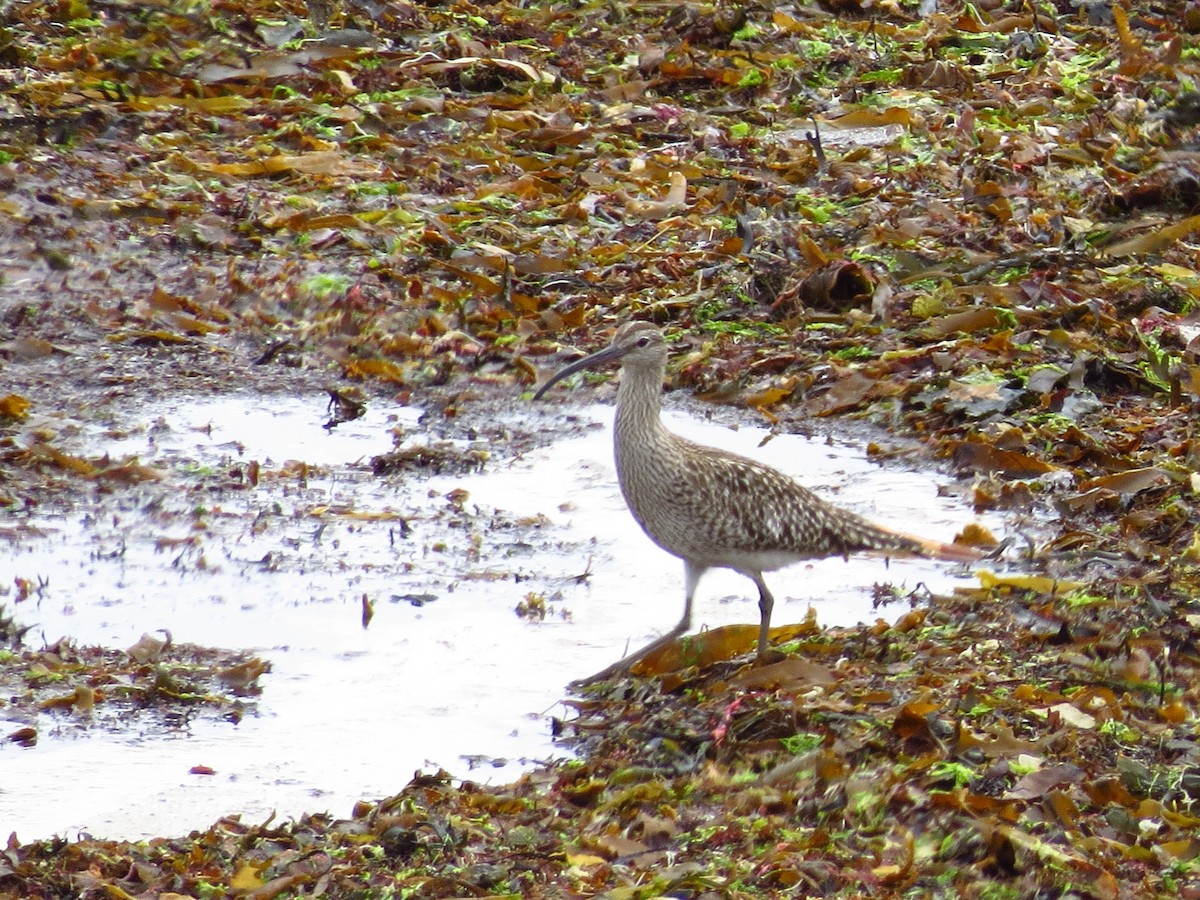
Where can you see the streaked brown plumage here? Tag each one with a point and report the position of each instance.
(715, 509)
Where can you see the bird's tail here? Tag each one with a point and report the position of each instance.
(928, 547)
(852, 533)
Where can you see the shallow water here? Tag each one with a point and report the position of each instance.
(459, 682)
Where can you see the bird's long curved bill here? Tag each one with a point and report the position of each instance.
(608, 354)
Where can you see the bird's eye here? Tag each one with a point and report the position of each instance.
(644, 342)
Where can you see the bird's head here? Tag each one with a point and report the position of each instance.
(635, 345)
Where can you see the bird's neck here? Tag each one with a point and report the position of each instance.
(639, 408)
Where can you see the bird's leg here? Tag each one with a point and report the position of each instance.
(692, 575)
(765, 604)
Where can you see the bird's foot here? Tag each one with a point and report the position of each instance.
(770, 656)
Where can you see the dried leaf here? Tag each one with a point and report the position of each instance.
(977, 457)
(1131, 481)
(846, 393)
(840, 285)
(382, 369)
(14, 406)
(245, 879)
(271, 65)
(792, 673)
(701, 649)
(876, 118)
(1155, 241)
(148, 648)
(1037, 784)
(675, 201)
(1040, 584)
(971, 321)
(322, 162)
(24, 349)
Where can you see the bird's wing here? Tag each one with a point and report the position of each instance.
(752, 507)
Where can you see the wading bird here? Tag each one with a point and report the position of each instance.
(715, 509)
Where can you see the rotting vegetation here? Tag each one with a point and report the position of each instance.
(974, 224)
(92, 687)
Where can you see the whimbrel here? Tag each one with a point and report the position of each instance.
(715, 509)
